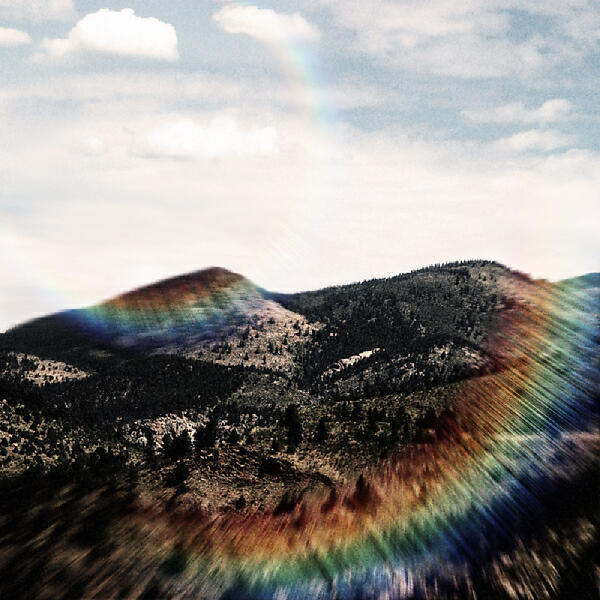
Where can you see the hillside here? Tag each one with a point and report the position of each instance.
(222, 317)
(177, 311)
(214, 341)
(208, 399)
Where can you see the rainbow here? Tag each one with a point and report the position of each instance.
(178, 311)
(512, 439)
(431, 510)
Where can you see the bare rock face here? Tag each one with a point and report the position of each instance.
(269, 336)
(40, 371)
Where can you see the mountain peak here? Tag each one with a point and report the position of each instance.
(176, 312)
(182, 290)
(179, 310)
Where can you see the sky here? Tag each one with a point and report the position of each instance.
(301, 144)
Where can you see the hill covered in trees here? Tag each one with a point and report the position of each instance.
(208, 393)
(362, 361)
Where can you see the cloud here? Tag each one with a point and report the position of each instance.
(533, 140)
(37, 10)
(462, 39)
(265, 24)
(120, 33)
(93, 146)
(221, 137)
(162, 89)
(551, 110)
(13, 37)
(469, 38)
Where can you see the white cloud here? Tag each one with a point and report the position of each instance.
(93, 146)
(13, 37)
(221, 137)
(463, 39)
(265, 24)
(114, 32)
(37, 10)
(551, 110)
(533, 140)
(469, 38)
(153, 90)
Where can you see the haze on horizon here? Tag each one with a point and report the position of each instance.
(299, 145)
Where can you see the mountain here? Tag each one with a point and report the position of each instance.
(173, 353)
(221, 316)
(398, 334)
(156, 444)
(589, 281)
(178, 310)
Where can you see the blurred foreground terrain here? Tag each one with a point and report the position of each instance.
(429, 435)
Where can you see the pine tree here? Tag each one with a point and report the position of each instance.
(206, 436)
(291, 421)
(321, 432)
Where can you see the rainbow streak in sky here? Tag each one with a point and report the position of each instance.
(304, 72)
(313, 100)
(514, 437)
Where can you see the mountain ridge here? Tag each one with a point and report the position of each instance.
(220, 316)
(297, 413)
(214, 279)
